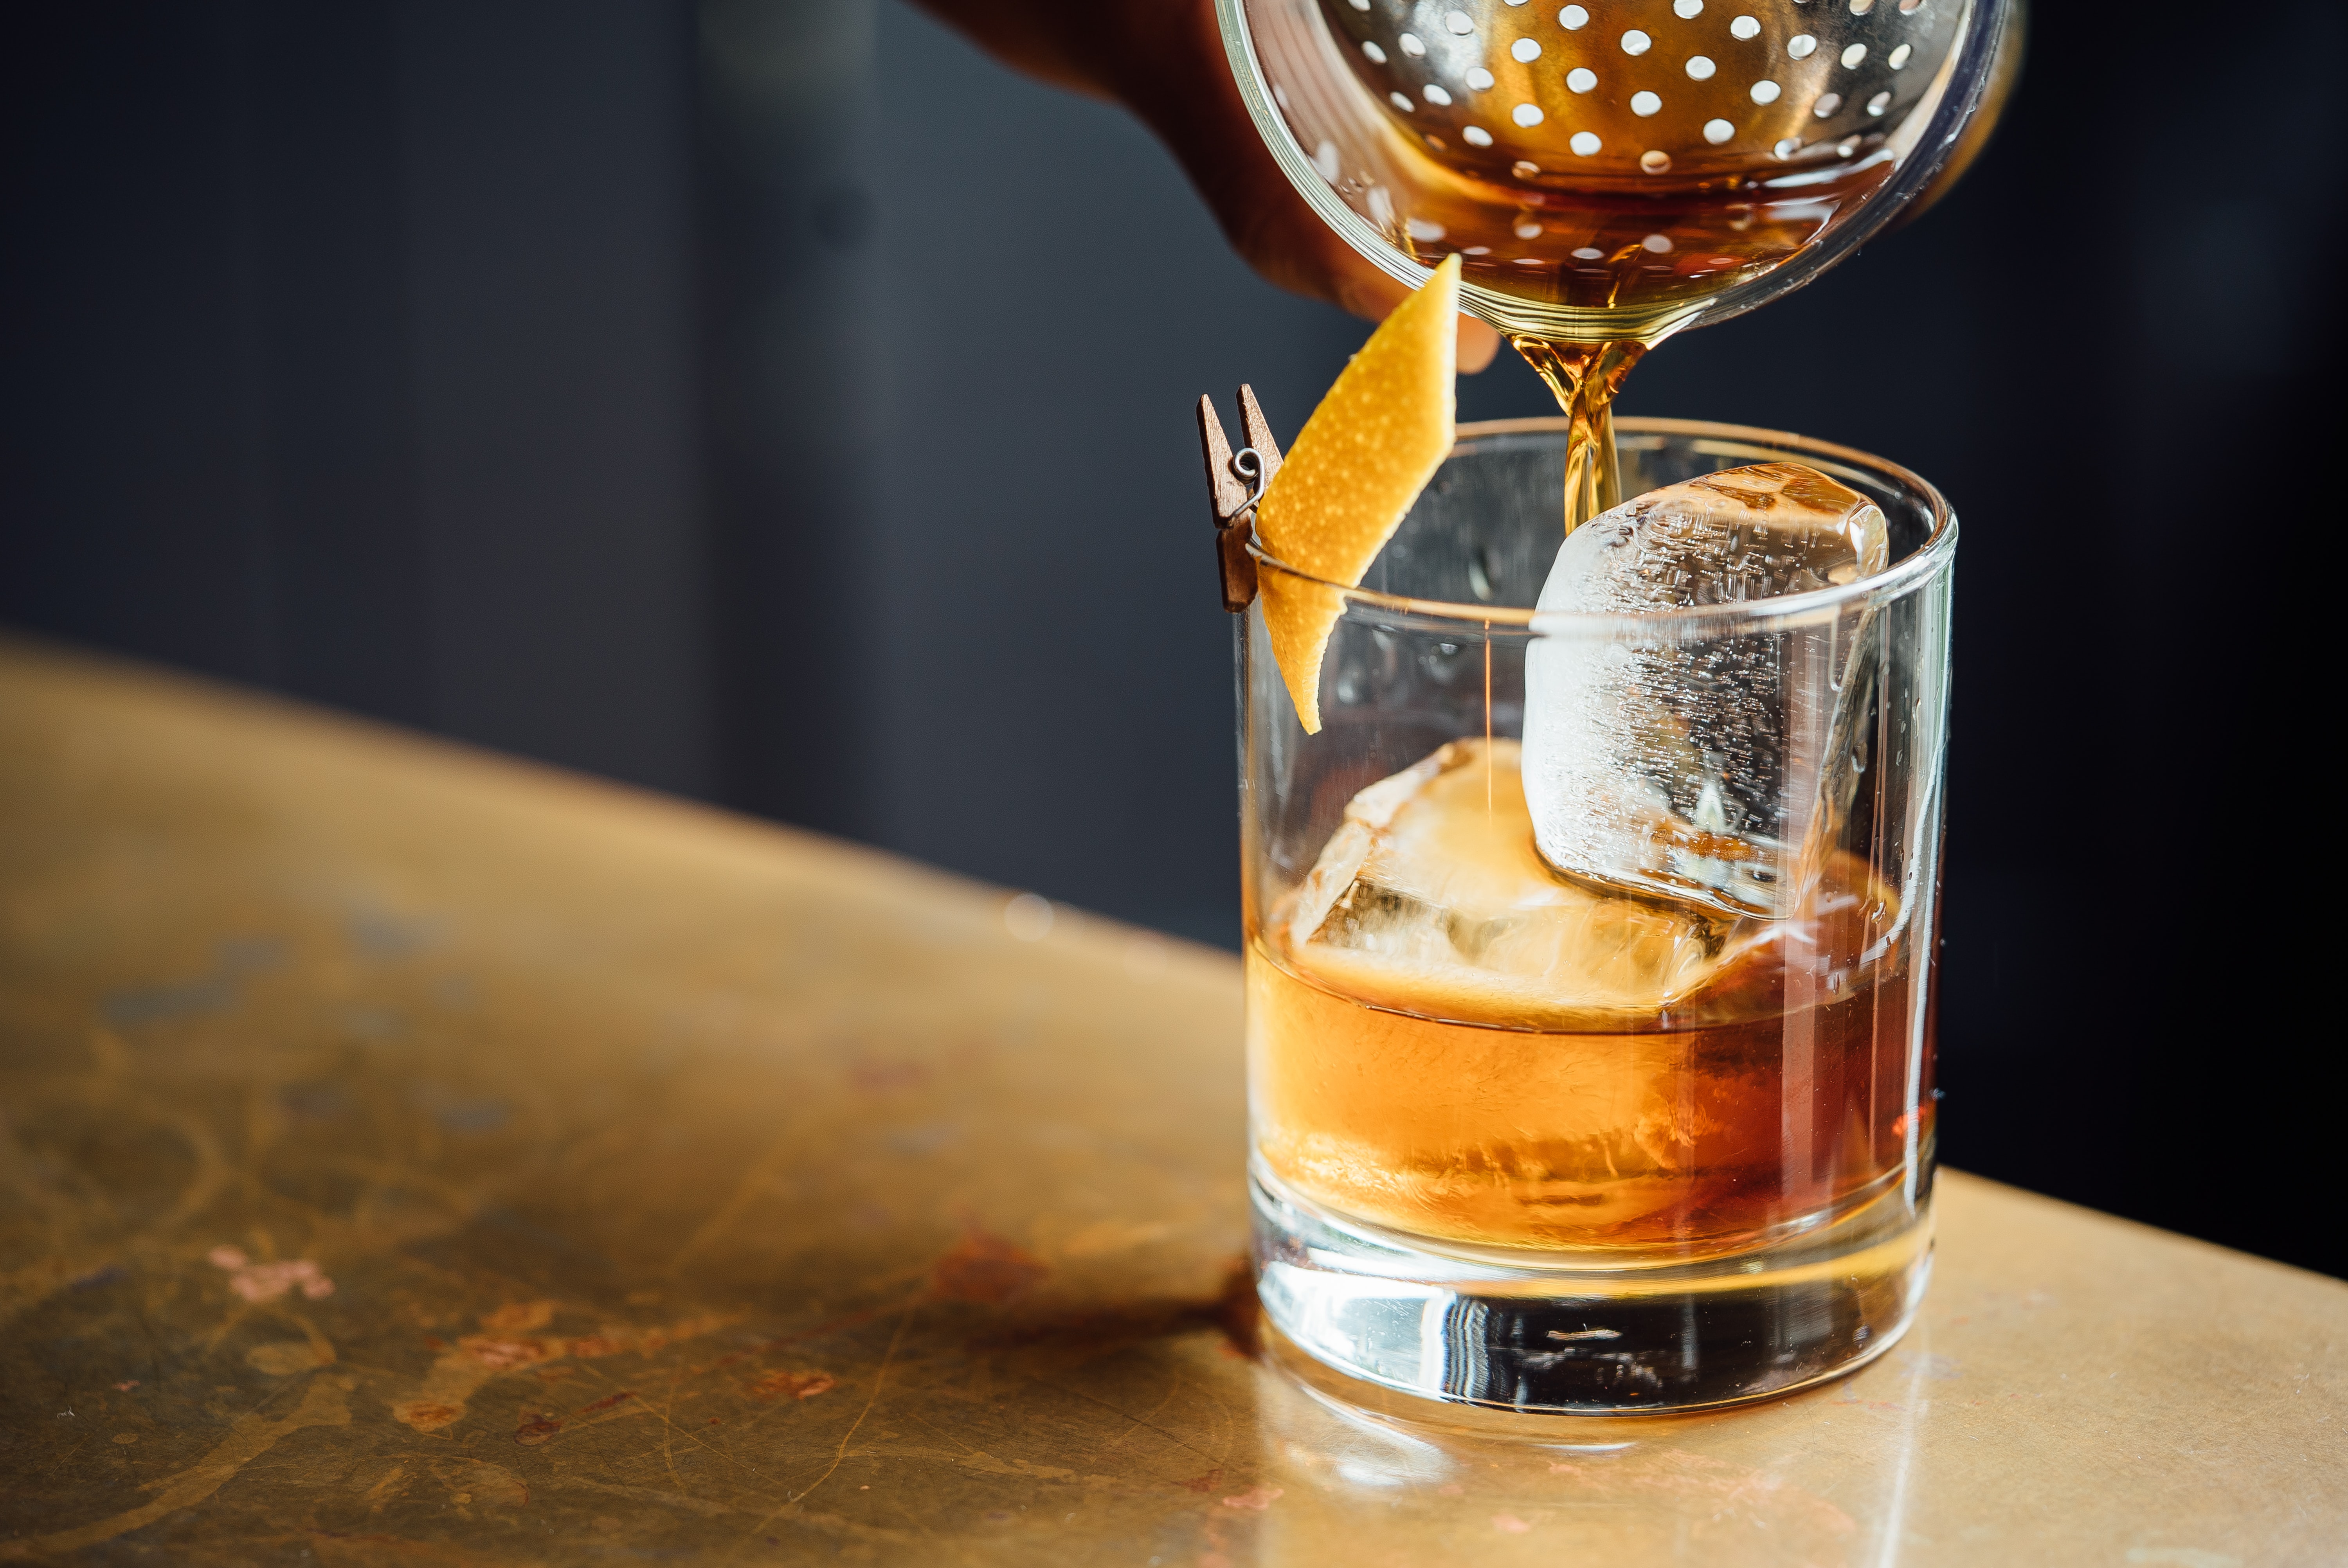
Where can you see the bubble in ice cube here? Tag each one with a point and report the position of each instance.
(1686, 759)
(1430, 898)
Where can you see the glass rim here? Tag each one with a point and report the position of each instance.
(1920, 566)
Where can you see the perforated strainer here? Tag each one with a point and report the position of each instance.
(1638, 89)
(1614, 168)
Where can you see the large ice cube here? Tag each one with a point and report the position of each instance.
(1430, 898)
(1678, 758)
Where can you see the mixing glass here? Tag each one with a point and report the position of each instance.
(1612, 171)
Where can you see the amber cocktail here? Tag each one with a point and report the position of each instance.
(1590, 1055)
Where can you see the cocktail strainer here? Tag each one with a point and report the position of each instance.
(1615, 168)
(1644, 88)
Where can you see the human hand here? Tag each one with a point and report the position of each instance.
(1163, 59)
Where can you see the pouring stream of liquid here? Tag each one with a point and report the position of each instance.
(1585, 377)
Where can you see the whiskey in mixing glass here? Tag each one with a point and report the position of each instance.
(1606, 173)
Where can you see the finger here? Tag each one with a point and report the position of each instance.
(1478, 343)
(1288, 243)
(1368, 292)
(1209, 131)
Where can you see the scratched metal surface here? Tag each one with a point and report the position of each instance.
(411, 1158)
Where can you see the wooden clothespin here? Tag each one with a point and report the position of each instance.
(1236, 481)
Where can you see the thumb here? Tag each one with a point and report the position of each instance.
(1478, 343)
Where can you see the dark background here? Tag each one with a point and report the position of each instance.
(779, 403)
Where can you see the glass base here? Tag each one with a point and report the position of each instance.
(1523, 1331)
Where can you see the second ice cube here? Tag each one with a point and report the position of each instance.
(1707, 757)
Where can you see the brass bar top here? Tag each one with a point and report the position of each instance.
(410, 1156)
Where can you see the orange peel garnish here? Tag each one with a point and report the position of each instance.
(1361, 460)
